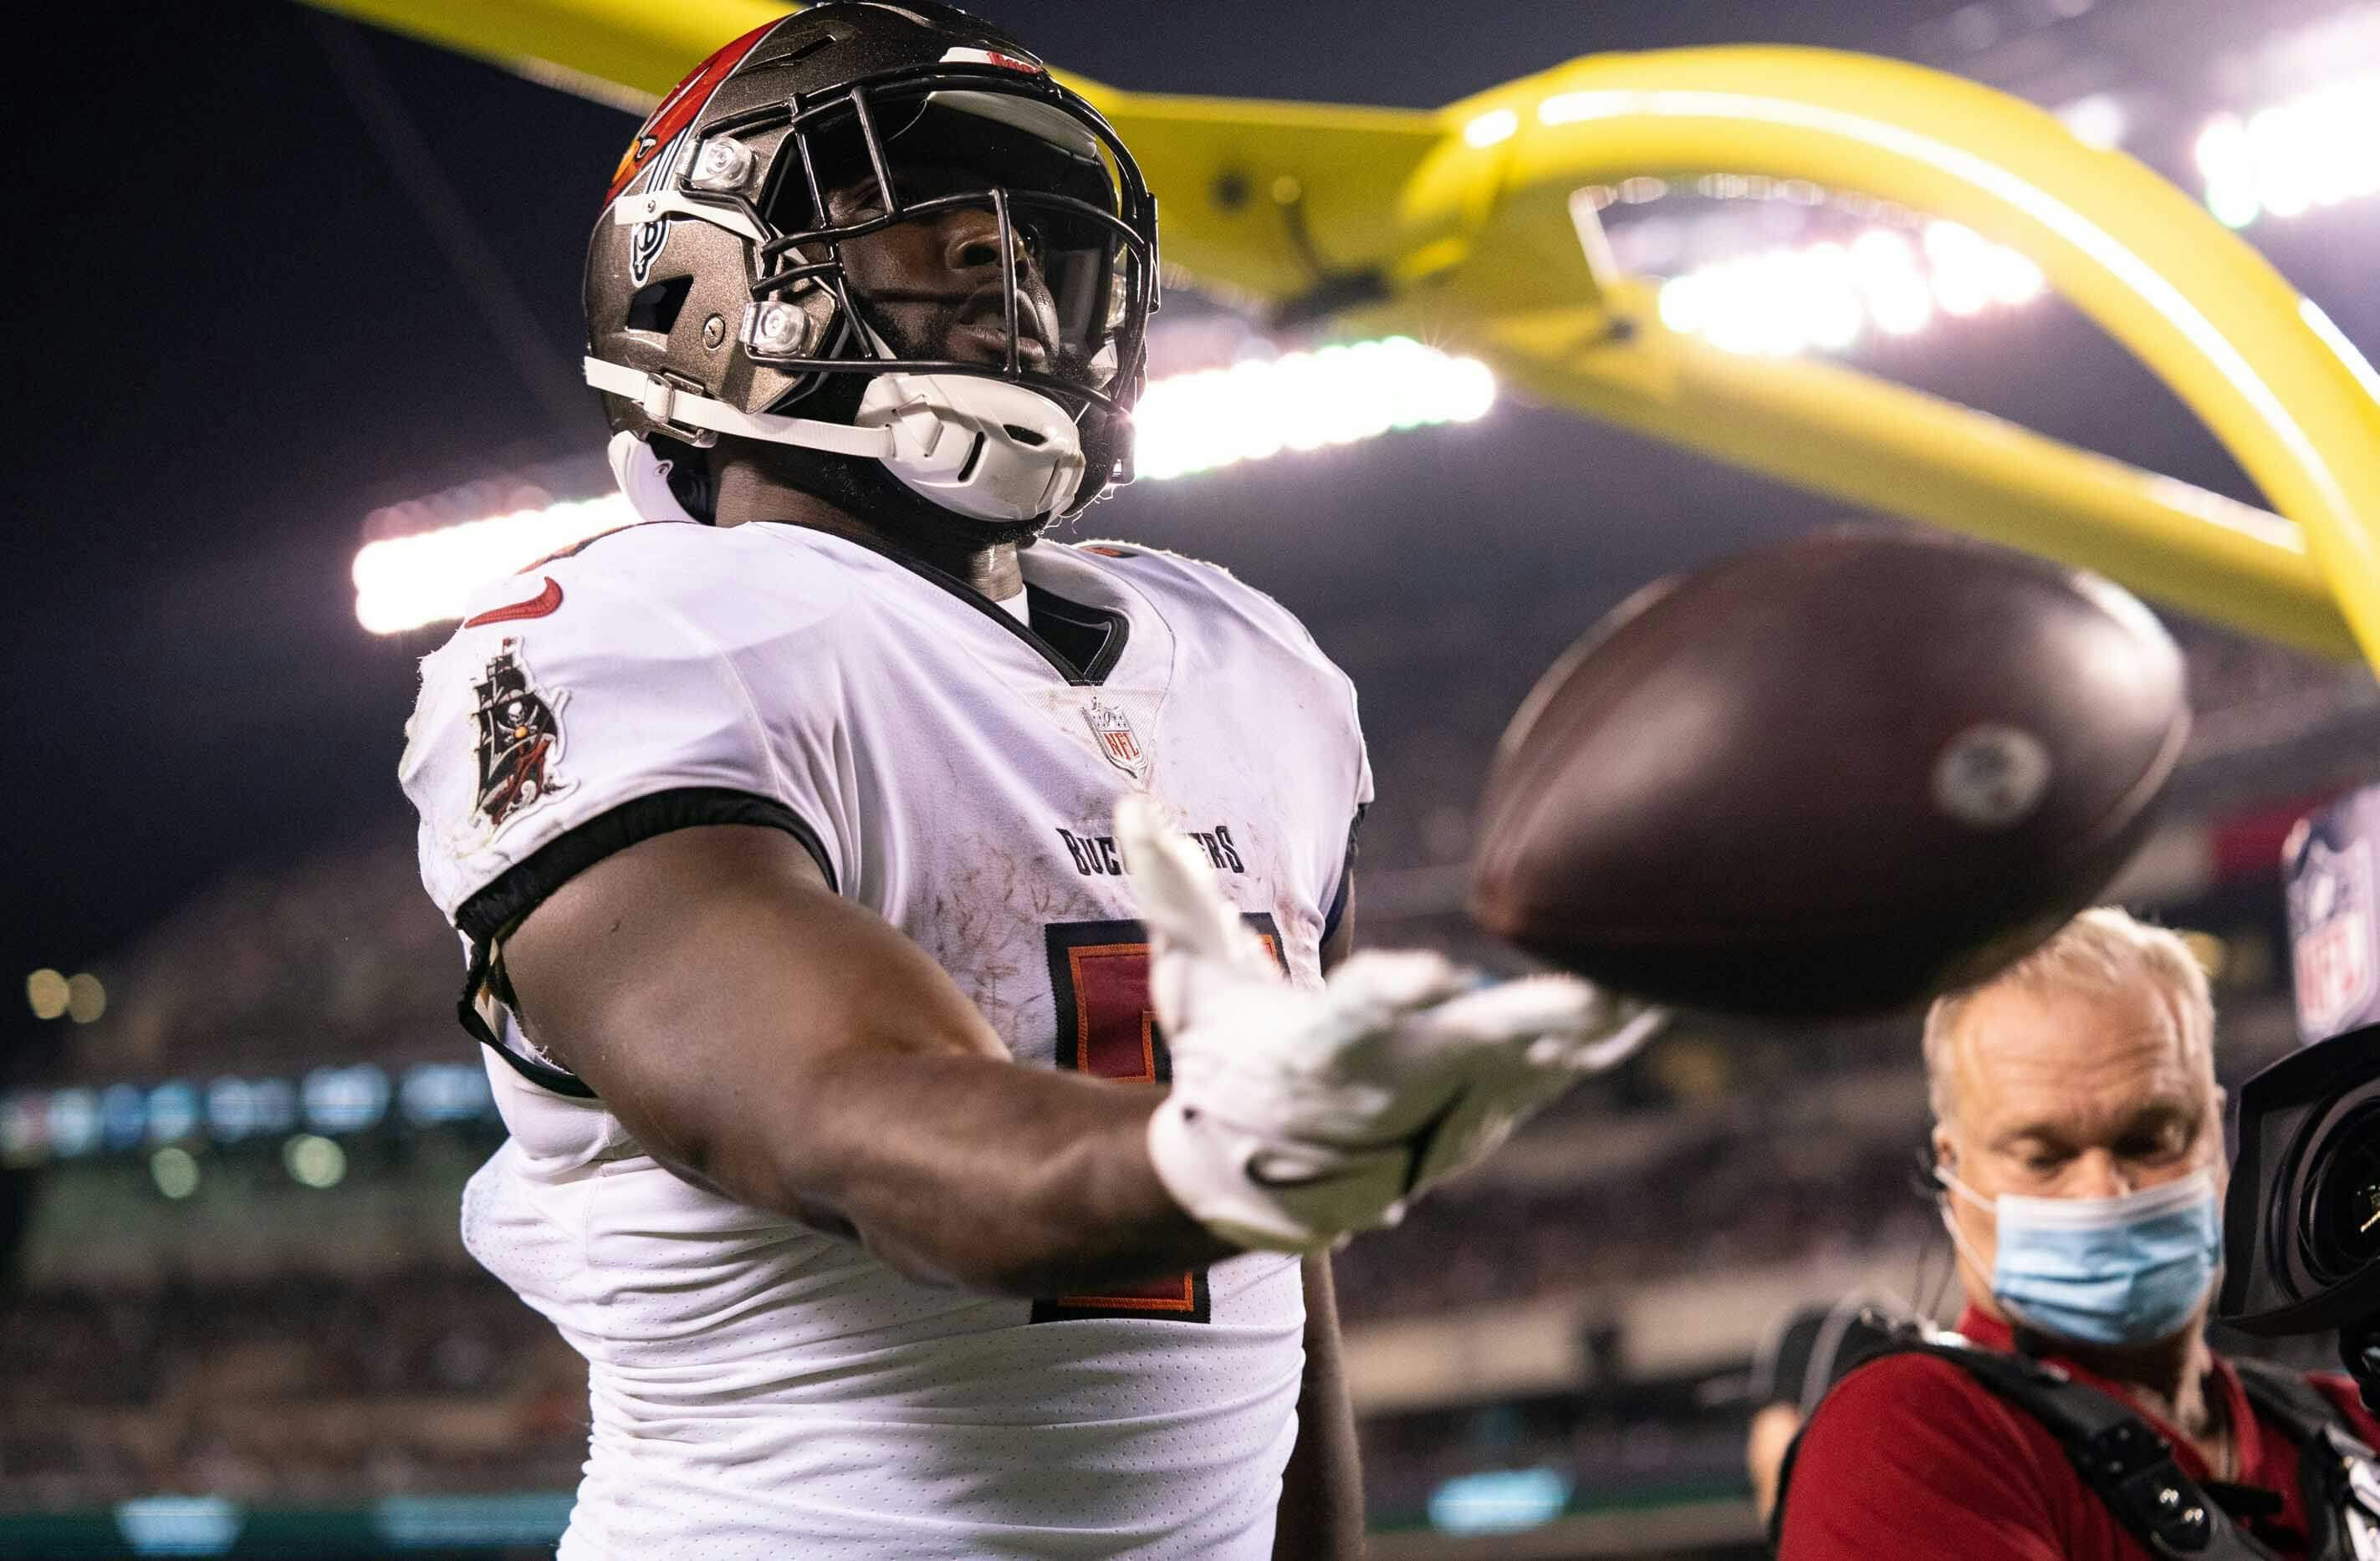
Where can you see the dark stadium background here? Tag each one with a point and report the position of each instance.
(238, 319)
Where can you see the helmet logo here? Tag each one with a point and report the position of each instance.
(645, 248)
(684, 102)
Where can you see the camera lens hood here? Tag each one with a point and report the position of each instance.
(2302, 1223)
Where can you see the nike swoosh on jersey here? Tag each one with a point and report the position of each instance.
(537, 606)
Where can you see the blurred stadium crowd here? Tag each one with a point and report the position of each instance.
(300, 1387)
(319, 1336)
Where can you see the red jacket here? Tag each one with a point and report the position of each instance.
(1911, 1458)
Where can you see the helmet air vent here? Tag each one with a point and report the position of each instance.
(655, 306)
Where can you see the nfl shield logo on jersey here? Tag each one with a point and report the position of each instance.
(2331, 926)
(1112, 730)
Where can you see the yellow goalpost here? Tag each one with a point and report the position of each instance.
(1468, 226)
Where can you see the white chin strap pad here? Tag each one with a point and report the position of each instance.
(643, 477)
(978, 447)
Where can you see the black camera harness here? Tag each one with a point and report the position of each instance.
(2132, 1467)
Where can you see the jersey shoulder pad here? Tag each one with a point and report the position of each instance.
(728, 584)
(1209, 590)
(1230, 609)
(661, 659)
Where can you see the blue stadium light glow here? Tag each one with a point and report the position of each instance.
(123, 1117)
(178, 1525)
(237, 1108)
(434, 1093)
(1499, 1501)
(173, 1112)
(74, 1124)
(229, 1117)
(39, 1125)
(524, 1518)
(346, 1099)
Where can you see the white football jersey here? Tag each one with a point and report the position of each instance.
(760, 1389)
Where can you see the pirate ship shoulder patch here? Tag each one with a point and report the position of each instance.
(518, 729)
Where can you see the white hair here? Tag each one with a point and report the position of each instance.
(2103, 950)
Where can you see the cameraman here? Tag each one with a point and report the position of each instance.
(2078, 1140)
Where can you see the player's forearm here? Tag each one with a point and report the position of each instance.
(765, 1038)
(989, 1174)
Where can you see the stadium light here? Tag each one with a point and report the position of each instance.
(1828, 295)
(2098, 121)
(315, 1161)
(1185, 423)
(1499, 1501)
(46, 990)
(37, 1125)
(86, 999)
(175, 1171)
(178, 1525)
(404, 582)
(1302, 401)
(2318, 150)
(74, 1123)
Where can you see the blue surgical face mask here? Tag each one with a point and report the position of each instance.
(2107, 1271)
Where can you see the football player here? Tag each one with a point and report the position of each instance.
(899, 938)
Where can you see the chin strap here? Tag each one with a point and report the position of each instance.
(665, 403)
(643, 477)
(979, 447)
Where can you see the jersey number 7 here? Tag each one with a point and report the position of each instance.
(1098, 973)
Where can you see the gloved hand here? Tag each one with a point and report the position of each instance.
(1297, 1117)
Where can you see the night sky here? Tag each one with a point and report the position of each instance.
(230, 336)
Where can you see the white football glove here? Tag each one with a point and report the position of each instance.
(1297, 1117)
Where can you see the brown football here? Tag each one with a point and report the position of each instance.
(1830, 777)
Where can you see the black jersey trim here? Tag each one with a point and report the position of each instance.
(494, 911)
(520, 889)
(1092, 638)
(1332, 917)
(1116, 626)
